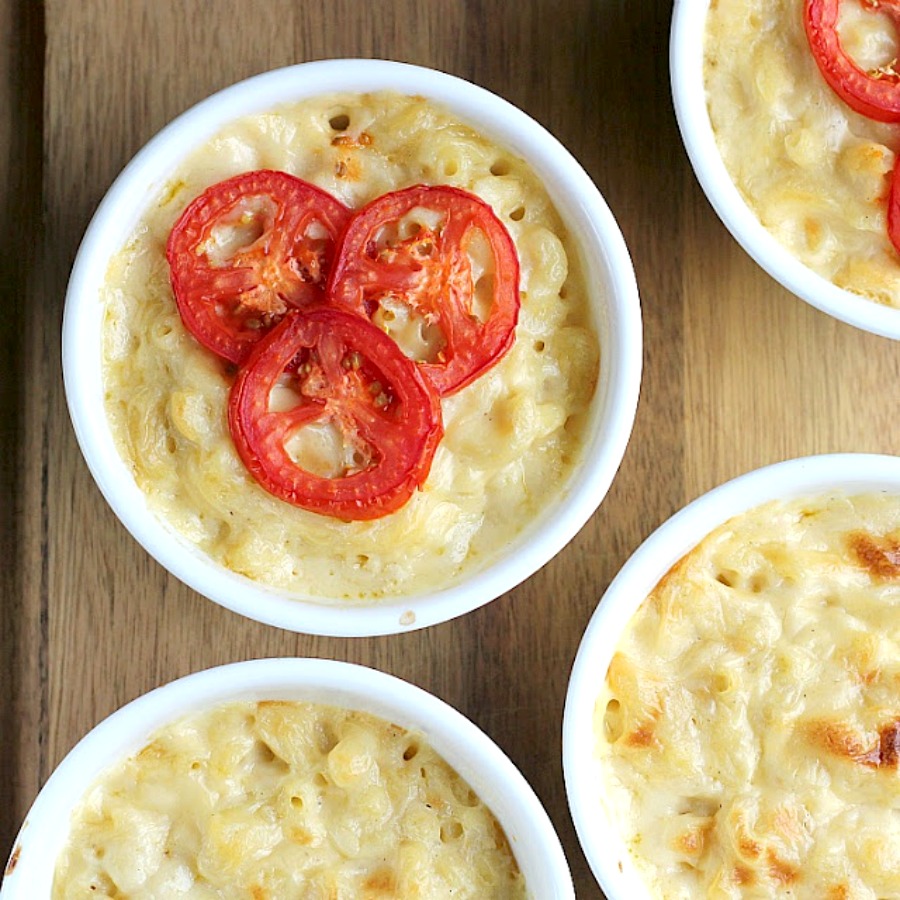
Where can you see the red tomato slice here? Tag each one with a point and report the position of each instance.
(874, 94)
(435, 269)
(246, 251)
(329, 415)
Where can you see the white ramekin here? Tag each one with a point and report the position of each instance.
(811, 476)
(609, 274)
(689, 95)
(463, 745)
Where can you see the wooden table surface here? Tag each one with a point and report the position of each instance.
(737, 372)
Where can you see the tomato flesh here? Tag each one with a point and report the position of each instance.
(344, 374)
(876, 94)
(441, 260)
(246, 251)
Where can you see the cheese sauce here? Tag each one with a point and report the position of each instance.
(749, 726)
(285, 801)
(815, 172)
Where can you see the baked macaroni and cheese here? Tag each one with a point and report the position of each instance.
(816, 172)
(490, 453)
(284, 800)
(748, 730)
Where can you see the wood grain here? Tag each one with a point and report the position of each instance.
(23, 650)
(737, 372)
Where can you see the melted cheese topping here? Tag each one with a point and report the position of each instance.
(749, 727)
(511, 438)
(285, 801)
(816, 173)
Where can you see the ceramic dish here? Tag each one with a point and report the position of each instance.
(690, 98)
(809, 477)
(613, 297)
(467, 749)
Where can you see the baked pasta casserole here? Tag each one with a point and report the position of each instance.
(816, 173)
(748, 730)
(285, 800)
(511, 438)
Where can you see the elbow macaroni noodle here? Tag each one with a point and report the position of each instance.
(749, 727)
(815, 172)
(511, 437)
(285, 801)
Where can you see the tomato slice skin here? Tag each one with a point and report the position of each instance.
(349, 374)
(430, 273)
(875, 95)
(289, 229)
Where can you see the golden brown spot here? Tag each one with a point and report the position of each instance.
(842, 741)
(13, 860)
(364, 139)
(381, 882)
(748, 847)
(889, 744)
(258, 893)
(880, 556)
(870, 677)
(780, 870)
(636, 728)
(839, 740)
(838, 892)
(642, 736)
(743, 875)
(692, 841)
(347, 168)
